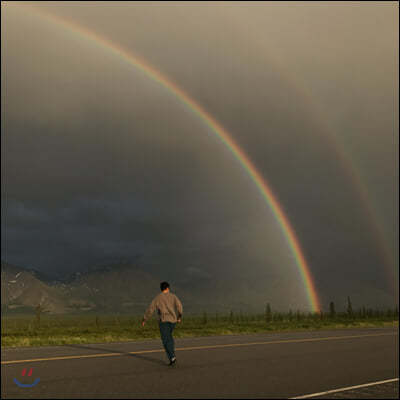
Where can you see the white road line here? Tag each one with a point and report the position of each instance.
(217, 346)
(308, 396)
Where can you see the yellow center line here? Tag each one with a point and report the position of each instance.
(217, 346)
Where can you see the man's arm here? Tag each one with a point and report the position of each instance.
(150, 309)
(179, 307)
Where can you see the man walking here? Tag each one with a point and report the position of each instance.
(169, 311)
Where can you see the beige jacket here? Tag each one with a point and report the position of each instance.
(168, 306)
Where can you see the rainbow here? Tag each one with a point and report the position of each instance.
(262, 185)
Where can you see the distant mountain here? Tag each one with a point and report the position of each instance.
(125, 288)
(23, 288)
(112, 288)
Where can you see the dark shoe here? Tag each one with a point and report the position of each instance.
(172, 361)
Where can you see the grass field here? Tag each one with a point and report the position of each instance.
(30, 330)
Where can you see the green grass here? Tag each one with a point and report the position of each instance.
(25, 330)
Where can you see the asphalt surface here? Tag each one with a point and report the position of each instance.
(272, 365)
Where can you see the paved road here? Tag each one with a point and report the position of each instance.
(280, 365)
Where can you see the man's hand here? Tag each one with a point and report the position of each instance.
(179, 320)
(143, 322)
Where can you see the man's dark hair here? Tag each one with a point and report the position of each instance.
(164, 285)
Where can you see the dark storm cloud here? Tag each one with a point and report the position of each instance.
(100, 163)
(90, 231)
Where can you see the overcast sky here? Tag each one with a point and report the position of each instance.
(101, 163)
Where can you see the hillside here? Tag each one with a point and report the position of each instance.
(115, 288)
(21, 288)
(125, 288)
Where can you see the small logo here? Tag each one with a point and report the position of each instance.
(26, 385)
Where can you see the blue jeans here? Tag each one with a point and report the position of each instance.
(166, 329)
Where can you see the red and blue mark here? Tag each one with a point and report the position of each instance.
(26, 385)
